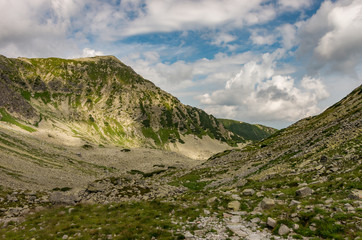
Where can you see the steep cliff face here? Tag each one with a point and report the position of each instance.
(100, 100)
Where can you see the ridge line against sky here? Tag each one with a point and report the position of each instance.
(263, 61)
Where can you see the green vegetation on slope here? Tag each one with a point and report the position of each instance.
(247, 131)
(124, 106)
(6, 117)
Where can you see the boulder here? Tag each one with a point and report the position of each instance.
(248, 192)
(283, 230)
(63, 198)
(234, 205)
(267, 203)
(210, 201)
(271, 222)
(294, 203)
(356, 194)
(304, 191)
(241, 183)
(95, 187)
(235, 197)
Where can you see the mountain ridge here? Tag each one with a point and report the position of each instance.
(103, 101)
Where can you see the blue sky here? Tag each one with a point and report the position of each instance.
(261, 61)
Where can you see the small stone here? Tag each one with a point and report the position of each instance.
(188, 235)
(260, 194)
(267, 203)
(234, 205)
(241, 183)
(295, 219)
(227, 215)
(312, 228)
(294, 203)
(329, 200)
(356, 194)
(235, 219)
(206, 212)
(295, 226)
(248, 192)
(211, 201)
(65, 236)
(305, 191)
(255, 220)
(271, 222)
(283, 230)
(235, 197)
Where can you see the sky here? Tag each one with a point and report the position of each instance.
(270, 62)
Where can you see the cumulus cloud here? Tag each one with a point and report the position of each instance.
(87, 52)
(222, 39)
(176, 77)
(332, 38)
(35, 28)
(292, 5)
(262, 37)
(258, 92)
(173, 15)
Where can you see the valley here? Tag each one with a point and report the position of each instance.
(91, 150)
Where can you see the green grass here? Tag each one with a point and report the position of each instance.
(44, 96)
(246, 130)
(134, 220)
(192, 180)
(6, 117)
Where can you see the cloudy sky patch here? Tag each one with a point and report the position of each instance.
(264, 61)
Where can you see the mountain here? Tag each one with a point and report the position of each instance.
(253, 132)
(102, 101)
(301, 182)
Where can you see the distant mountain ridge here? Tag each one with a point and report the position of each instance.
(253, 132)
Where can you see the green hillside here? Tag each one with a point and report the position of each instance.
(100, 100)
(253, 132)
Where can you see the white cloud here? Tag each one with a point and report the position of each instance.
(222, 39)
(173, 15)
(332, 38)
(293, 5)
(262, 37)
(36, 28)
(257, 92)
(177, 76)
(288, 33)
(87, 52)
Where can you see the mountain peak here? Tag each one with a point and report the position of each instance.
(97, 58)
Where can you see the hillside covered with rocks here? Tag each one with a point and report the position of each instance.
(303, 182)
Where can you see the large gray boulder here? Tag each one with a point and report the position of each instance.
(356, 194)
(63, 198)
(283, 230)
(267, 203)
(271, 222)
(304, 191)
(234, 205)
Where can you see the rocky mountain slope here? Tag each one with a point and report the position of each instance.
(101, 101)
(252, 132)
(303, 182)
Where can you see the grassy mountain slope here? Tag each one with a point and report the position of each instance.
(99, 100)
(253, 132)
(303, 182)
